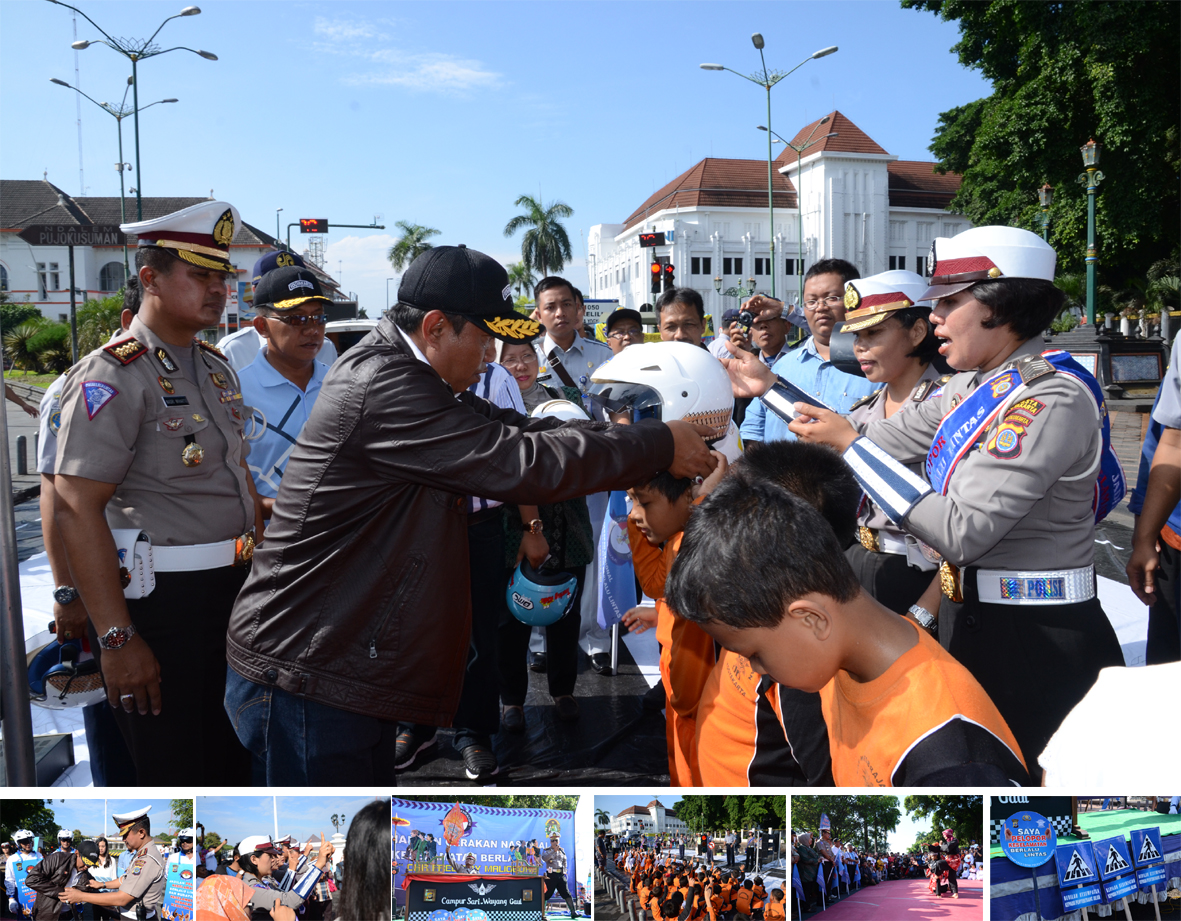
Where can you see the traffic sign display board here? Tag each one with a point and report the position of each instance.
(1028, 839)
(1076, 864)
(1146, 846)
(1111, 856)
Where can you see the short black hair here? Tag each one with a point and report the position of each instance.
(686, 296)
(669, 486)
(132, 295)
(577, 294)
(1026, 305)
(156, 258)
(928, 349)
(833, 266)
(755, 527)
(554, 281)
(813, 472)
(410, 318)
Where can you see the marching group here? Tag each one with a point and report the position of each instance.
(280, 525)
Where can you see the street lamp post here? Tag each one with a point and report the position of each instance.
(1046, 196)
(136, 50)
(767, 80)
(799, 149)
(118, 113)
(1091, 179)
(277, 210)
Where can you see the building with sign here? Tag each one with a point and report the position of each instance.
(859, 202)
(653, 819)
(40, 274)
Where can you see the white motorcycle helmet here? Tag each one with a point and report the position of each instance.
(668, 381)
(560, 409)
(62, 676)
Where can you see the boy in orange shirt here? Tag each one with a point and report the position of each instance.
(659, 511)
(900, 710)
(776, 907)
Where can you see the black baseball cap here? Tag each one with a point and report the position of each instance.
(274, 260)
(287, 287)
(459, 280)
(88, 851)
(731, 314)
(623, 313)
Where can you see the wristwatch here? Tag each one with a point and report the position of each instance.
(532, 527)
(65, 594)
(116, 637)
(924, 617)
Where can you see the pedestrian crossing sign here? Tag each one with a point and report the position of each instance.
(1076, 864)
(1111, 855)
(1146, 845)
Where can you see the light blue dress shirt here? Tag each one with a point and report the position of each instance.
(814, 375)
(280, 411)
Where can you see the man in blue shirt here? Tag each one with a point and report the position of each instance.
(808, 366)
(281, 384)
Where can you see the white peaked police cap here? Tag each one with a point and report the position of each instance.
(200, 234)
(257, 843)
(984, 253)
(868, 301)
(125, 820)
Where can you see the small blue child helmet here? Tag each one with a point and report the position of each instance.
(539, 598)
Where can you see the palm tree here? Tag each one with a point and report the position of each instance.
(412, 244)
(520, 276)
(545, 246)
(602, 816)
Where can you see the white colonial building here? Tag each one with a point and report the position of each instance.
(653, 819)
(860, 203)
(40, 275)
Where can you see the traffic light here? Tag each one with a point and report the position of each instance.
(670, 278)
(656, 272)
(313, 225)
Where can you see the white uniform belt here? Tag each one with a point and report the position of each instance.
(1055, 586)
(891, 543)
(194, 557)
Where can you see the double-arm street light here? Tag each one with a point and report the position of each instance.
(799, 149)
(119, 113)
(768, 79)
(136, 50)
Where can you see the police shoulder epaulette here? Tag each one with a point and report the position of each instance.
(924, 389)
(1033, 367)
(866, 399)
(125, 351)
(211, 348)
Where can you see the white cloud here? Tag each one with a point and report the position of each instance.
(428, 72)
(345, 29)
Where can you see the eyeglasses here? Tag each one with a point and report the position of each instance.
(833, 300)
(318, 319)
(627, 334)
(525, 358)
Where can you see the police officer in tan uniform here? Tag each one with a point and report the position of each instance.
(145, 879)
(554, 858)
(151, 441)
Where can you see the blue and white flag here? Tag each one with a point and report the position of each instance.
(617, 577)
(796, 884)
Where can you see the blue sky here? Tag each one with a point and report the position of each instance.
(93, 816)
(443, 113)
(238, 817)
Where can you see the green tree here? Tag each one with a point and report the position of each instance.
(97, 321)
(602, 817)
(412, 244)
(520, 276)
(17, 343)
(181, 813)
(50, 347)
(13, 315)
(964, 815)
(864, 820)
(33, 814)
(921, 840)
(545, 246)
(1062, 73)
(78, 836)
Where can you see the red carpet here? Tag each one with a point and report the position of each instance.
(908, 900)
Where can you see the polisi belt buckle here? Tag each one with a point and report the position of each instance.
(951, 582)
(244, 548)
(869, 539)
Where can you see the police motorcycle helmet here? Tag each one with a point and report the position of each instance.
(560, 409)
(62, 676)
(669, 381)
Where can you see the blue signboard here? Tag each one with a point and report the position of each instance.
(1117, 888)
(1111, 857)
(1028, 839)
(1076, 864)
(1146, 846)
(1082, 897)
(1152, 876)
(18, 869)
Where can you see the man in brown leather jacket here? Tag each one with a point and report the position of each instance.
(357, 611)
(58, 871)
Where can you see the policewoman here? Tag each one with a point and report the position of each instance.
(895, 346)
(1018, 463)
(151, 444)
(139, 892)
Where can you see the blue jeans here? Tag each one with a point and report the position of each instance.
(299, 742)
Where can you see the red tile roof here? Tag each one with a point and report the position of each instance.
(849, 139)
(915, 184)
(717, 183)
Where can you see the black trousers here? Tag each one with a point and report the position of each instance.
(889, 578)
(557, 881)
(942, 866)
(184, 621)
(1035, 661)
(478, 714)
(561, 645)
(1164, 617)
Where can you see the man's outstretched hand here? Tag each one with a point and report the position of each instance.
(691, 455)
(749, 375)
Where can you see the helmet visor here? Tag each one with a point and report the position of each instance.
(637, 401)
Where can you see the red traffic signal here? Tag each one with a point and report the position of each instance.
(669, 277)
(655, 269)
(313, 225)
